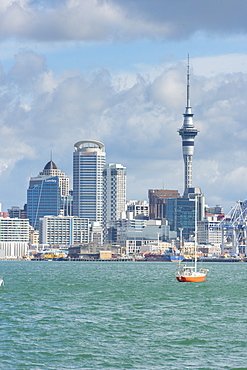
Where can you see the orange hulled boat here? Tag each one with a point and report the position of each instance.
(190, 274)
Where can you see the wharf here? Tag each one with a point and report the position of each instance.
(201, 259)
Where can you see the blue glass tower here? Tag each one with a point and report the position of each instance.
(43, 198)
(180, 213)
(188, 133)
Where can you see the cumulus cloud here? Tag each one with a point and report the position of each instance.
(137, 123)
(96, 20)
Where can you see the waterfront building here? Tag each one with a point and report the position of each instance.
(114, 186)
(138, 209)
(45, 194)
(14, 237)
(43, 198)
(208, 231)
(133, 235)
(216, 210)
(157, 202)
(188, 133)
(61, 230)
(88, 163)
(180, 212)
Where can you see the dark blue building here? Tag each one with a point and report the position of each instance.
(180, 213)
(43, 198)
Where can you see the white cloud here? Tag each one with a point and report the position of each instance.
(138, 124)
(96, 20)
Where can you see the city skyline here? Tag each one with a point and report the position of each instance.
(120, 78)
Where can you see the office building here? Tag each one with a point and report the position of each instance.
(63, 231)
(134, 235)
(45, 194)
(43, 198)
(138, 209)
(14, 237)
(16, 212)
(209, 231)
(51, 170)
(157, 201)
(88, 163)
(180, 212)
(114, 199)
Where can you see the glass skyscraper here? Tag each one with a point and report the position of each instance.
(89, 160)
(43, 198)
(46, 193)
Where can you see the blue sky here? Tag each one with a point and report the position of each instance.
(115, 71)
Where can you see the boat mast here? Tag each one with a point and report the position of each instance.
(196, 232)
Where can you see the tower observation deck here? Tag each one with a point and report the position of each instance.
(188, 133)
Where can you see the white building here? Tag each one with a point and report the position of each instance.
(14, 237)
(135, 235)
(88, 163)
(63, 230)
(208, 231)
(139, 208)
(114, 176)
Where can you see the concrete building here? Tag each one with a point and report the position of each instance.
(16, 212)
(138, 209)
(88, 163)
(63, 231)
(208, 231)
(134, 235)
(14, 237)
(114, 199)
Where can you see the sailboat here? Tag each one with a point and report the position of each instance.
(190, 274)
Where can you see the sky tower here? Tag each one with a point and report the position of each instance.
(188, 133)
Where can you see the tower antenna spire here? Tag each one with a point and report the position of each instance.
(188, 82)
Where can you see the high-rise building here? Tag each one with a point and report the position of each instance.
(114, 183)
(181, 213)
(51, 170)
(188, 133)
(45, 194)
(157, 201)
(88, 163)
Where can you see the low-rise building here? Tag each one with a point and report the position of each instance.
(63, 230)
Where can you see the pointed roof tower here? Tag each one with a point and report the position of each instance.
(188, 133)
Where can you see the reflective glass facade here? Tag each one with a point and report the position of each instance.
(43, 198)
(180, 213)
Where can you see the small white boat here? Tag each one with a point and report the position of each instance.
(1, 282)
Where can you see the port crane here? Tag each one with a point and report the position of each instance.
(234, 229)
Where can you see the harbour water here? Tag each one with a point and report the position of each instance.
(121, 315)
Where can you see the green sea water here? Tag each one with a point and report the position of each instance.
(121, 315)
